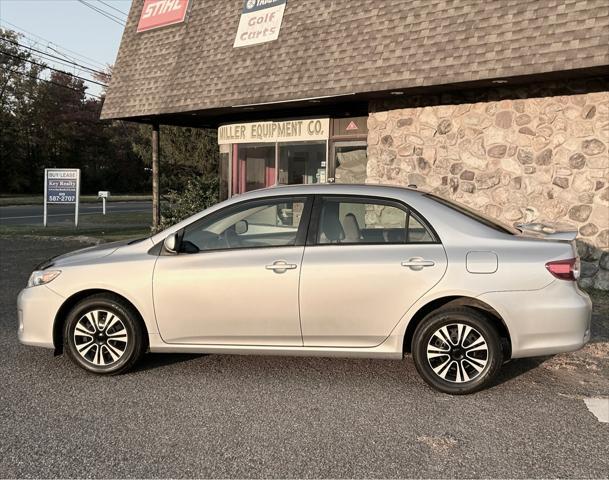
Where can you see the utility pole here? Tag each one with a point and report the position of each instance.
(156, 196)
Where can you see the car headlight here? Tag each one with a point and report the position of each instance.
(41, 277)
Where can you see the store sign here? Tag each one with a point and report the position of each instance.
(160, 13)
(260, 22)
(271, 132)
(350, 127)
(61, 185)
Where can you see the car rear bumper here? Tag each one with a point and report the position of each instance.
(551, 320)
(36, 309)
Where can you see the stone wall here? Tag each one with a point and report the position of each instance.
(525, 154)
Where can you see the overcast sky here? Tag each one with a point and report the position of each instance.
(69, 24)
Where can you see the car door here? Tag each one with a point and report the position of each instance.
(235, 278)
(367, 261)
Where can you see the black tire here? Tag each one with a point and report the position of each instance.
(463, 362)
(134, 339)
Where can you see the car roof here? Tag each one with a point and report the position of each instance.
(331, 188)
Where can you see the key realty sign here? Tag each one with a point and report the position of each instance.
(61, 185)
(260, 22)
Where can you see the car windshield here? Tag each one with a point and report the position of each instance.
(488, 221)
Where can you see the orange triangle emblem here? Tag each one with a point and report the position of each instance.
(352, 126)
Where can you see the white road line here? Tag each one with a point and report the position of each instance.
(72, 214)
(599, 407)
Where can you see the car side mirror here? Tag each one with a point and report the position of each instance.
(170, 244)
(241, 227)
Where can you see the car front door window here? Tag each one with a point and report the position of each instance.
(271, 223)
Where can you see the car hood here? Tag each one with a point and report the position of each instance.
(84, 254)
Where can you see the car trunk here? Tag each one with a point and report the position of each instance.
(566, 269)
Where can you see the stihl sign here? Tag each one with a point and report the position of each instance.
(160, 13)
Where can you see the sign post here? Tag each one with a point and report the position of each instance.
(103, 194)
(62, 186)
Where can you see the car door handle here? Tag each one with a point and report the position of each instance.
(280, 266)
(417, 263)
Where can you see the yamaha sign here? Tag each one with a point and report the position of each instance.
(260, 22)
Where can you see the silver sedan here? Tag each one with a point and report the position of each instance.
(332, 270)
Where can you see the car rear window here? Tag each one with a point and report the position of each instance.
(488, 221)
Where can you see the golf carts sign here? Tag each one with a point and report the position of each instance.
(260, 22)
(160, 13)
(61, 185)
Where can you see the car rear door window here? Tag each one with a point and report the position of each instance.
(369, 221)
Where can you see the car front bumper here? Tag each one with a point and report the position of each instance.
(36, 311)
(551, 320)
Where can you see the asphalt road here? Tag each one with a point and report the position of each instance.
(231, 416)
(33, 214)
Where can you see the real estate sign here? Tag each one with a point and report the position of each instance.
(61, 185)
(260, 22)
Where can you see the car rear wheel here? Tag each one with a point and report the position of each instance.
(103, 335)
(457, 350)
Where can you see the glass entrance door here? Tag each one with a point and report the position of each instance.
(302, 163)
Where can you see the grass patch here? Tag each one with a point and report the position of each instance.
(10, 200)
(115, 226)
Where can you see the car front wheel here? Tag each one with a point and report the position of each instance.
(103, 335)
(457, 350)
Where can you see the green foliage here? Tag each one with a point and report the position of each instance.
(184, 152)
(48, 121)
(198, 194)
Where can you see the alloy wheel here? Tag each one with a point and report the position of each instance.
(100, 337)
(457, 353)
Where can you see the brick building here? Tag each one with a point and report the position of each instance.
(500, 105)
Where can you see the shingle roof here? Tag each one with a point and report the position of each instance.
(337, 47)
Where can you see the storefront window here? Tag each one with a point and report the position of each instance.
(302, 163)
(351, 162)
(292, 152)
(254, 167)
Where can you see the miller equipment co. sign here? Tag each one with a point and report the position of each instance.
(160, 13)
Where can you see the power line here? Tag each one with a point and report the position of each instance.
(103, 12)
(106, 14)
(34, 77)
(67, 57)
(54, 57)
(68, 63)
(54, 69)
(63, 63)
(50, 43)
(112, 7)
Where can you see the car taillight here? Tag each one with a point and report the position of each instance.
(567, 269)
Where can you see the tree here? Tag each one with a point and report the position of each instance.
(47, 119)
(184, 152)
(18, 91)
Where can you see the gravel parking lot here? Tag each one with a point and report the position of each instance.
(231, 416)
